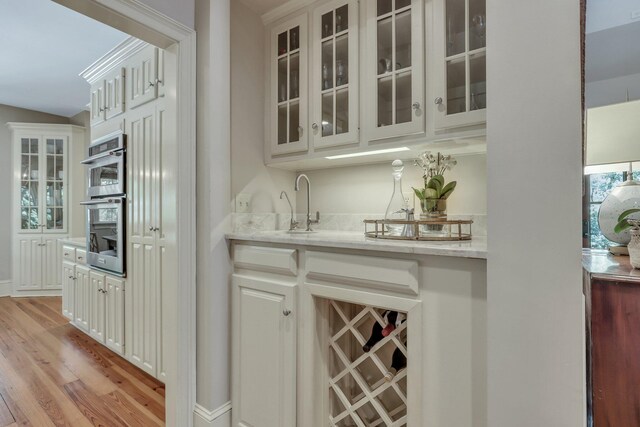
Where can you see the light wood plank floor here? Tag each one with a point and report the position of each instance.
(51, 374)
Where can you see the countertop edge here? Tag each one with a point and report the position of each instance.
(410, 248)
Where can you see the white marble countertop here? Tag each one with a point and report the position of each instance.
(74, 241)
(476, 248)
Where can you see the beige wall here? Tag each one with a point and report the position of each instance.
(12, 114)
(367, 189)
(248, 173)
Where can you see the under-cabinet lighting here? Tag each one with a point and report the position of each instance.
(368, 153)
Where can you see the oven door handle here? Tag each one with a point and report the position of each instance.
(101, 201)
(117, 152)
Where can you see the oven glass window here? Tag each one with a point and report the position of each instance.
(104, 175)
(103, 231)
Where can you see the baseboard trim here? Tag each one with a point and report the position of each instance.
(5, 288)
(221, 417)
(39, 293)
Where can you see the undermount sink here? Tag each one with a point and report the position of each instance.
(300, 232)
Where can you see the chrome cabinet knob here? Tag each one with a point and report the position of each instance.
(286, 312)
(314, 126)
(438, 100)
(151, 228)
(151, 84)
(416, 105)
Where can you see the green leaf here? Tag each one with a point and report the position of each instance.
(430, 193)
(626, 213)
(448, 189)
(439, 179)
(621, 226)
(419, 193)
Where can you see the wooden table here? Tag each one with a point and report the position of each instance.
(612, 295)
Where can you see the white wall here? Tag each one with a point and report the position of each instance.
(535, 324)
(79, 181)
(248, 173)
(367, 189)
(12, 114)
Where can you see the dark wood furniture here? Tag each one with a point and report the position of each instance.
(612, 295)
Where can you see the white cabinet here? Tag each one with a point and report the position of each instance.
(264, 353)
(41, 192)
(96, 306)
(394, 71)
(97, 103)
(460, 90)
(334, 75)
(147, 238)
(68, 289)
(82, 297)
(289, 88)
(114, 314)
(114, 93)
(142, 77)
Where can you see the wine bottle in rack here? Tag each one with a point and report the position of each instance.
(398, 362)
(378, 332)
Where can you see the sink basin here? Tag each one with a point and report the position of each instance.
(300, 232)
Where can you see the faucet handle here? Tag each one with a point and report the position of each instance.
(317, 220)
(293, 225)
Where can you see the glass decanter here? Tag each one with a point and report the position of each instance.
(398, 205)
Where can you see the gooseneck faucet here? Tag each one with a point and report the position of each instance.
(293, 224)
(297, 188)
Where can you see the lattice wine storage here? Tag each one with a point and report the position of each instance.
(364, 390)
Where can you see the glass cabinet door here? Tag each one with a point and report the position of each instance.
(396, 59)
(461, 98)
(334, 80)
(55, 184)
(29, 184)
(289, 87)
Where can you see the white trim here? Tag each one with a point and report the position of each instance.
(143, 22)
(49, 127)
(114, 58)
(5, 288)
(218, 417)
(37, 293)
(283, 10)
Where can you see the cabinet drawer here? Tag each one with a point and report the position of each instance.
(270, 260)
(390, 274)
(81, 256)
(69, 253)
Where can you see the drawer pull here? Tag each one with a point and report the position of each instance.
(286, 312)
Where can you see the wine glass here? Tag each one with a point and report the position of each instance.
(479, 27)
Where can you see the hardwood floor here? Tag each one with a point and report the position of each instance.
(51, 374)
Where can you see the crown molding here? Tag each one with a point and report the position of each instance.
(112, 59)
(283, 10)
(211, 416)
(16, 126)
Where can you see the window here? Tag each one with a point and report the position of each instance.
(598, 186)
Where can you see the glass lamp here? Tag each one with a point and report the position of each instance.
(613, 136)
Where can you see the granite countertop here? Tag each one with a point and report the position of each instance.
(601, 263)
(74, 241)
(475, 248)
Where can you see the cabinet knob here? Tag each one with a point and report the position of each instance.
(151, 228)
(151, 84)
(416, 105)
(314, 126)
(80, 258)
(286, 312)
(438, 100)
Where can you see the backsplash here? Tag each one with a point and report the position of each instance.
(255, 222)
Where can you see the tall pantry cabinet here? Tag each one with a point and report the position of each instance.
(131, 80)
(45, 159)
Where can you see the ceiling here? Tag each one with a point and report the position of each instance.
(262, 6)
(44, 47)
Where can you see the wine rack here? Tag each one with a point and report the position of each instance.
(359, 393)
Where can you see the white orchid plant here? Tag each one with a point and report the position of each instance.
(435, 189)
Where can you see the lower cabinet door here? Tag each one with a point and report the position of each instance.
(68, 289)
(82, 304)
(28, 264)
(264, 353)
(96, 306)
(114, 316)
(51, 262)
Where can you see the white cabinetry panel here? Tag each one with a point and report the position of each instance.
(30, 274)
(264, 351)
(114, 314)
(114, 92)
(96, 306)
(142, 75)
(82, 298)
(68, 289)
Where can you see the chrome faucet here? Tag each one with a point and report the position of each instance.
(293, 224)
(297, 187)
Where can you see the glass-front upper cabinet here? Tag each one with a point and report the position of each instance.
(395, 77)
(334, 79)
(461, 52)
(42, 184)
(289, 87)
